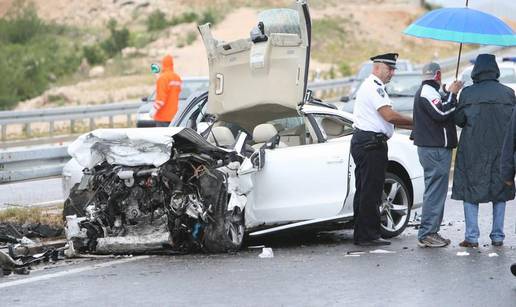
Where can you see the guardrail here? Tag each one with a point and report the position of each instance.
(16, 165)
(71, 114)
(23, 164)
(128, 108)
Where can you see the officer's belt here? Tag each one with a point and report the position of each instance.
(375, 135)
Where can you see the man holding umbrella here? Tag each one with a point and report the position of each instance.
(483, 111)
(435, 136)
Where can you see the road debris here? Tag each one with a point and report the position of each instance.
(381, 251)
(266, 253)
(256, 246)
(21, 254)
(493, 255)
(461, 254)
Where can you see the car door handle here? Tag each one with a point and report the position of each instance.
(219, 84)
(335, 160)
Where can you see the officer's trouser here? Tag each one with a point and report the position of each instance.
(369, 151)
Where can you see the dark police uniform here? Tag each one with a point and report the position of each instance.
(369, 151)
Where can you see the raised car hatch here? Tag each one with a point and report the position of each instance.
(262, 77)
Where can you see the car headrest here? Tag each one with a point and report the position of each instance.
(264, 132)
(332, 127)
(223, 136)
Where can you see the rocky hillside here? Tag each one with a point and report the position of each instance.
(345, 33)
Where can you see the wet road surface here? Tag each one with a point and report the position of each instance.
(307, 270)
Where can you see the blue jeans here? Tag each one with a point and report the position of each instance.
(436, 163)
(471, 216)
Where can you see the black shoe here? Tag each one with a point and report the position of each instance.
(376, 242)
(497, 243)
(513, 269)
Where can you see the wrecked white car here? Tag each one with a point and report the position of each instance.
(176, 189)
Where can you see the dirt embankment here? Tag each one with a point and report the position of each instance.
(371, 26)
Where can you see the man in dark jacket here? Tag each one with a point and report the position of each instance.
(483, 111)
(435, 137)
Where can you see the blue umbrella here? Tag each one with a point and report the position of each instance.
(462, 25)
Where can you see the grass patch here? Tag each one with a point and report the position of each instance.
(33, 53)
(45, 216)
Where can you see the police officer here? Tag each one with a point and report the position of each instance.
(374, 122)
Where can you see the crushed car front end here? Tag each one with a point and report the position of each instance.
(169, 190)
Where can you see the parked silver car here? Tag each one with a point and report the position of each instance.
(190, 85)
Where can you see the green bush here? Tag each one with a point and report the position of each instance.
(190, 17)
(118, 40)
(209, 16)
(94, 54)
(344, 69)
(156, 21)
(32, 54)
(185, 17)
(191, 36)
(21, 24)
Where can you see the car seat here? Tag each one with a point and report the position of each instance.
(221, 136)
(264, 133)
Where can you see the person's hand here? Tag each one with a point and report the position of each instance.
(509, 183)
(455, 87)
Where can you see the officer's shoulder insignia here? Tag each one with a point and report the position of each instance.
(436, 101)
(381, 91)
(377, 82)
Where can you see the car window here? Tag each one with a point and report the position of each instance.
(365, 71)
(280, 21)
(507, 75)
(191, 86)
(291, 130)
(403, 85)
(333, 126)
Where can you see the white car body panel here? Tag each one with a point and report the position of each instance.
(284, 190)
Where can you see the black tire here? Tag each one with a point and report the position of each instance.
(227, 233)
(76, 202)
(396, 206)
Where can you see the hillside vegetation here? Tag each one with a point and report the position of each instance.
(50, 49)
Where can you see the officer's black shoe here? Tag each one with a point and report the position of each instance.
(376, 242)
(513, 269)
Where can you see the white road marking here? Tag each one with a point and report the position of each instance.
(68, 272)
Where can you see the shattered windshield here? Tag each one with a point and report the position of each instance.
(280, 21)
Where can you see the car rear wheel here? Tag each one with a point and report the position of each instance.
(395, 207)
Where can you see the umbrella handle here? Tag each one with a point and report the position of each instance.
(458, 62)
(460, 51)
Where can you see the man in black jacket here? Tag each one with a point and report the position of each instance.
(483, 112)
(435, 135)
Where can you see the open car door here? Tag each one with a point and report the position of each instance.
(263, 76)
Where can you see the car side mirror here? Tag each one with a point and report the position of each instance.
(344, 99)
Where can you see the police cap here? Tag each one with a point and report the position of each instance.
(387, 58)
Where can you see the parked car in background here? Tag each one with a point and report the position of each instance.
(401, 89)
(366, 68)
(507, 73)
(190, 85)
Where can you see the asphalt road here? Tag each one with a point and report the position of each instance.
(26, 193)
(305, 271)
